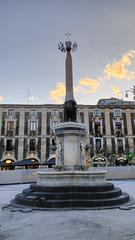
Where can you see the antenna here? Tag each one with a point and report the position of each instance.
(28, 96)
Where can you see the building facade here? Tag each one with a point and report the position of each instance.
(26, 131)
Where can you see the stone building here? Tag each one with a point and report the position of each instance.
(26, 131)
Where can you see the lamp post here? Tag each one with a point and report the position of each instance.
(132, 90)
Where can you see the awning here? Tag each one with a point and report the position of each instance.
(121, 159)
(51, 161)
(99, 159)
(2, 164)
(25, 162)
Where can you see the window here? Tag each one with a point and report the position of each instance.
(33, 125)
(54, 112)
(32, 144)
(54, 123)
(11, 112)
(9, 145)
(10, 125)
(97, 128)
(10, 128)
(97, 112)
(120, 145)
(98, 144)
(118, 128)
(117, 112)
(34, 112)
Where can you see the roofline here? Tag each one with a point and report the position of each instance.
(122, 106)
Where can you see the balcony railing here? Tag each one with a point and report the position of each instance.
(33, 133)
(10, 133)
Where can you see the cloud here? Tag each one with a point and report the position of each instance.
(57, 95)
(85, 86)
(117, 91)
(88, 85)
(1, 98)
(118, 69)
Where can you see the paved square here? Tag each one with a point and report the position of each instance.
(107, 224)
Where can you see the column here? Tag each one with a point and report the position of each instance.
(43, 135)
(129, 130)
(21, 135)
(86, 120)
(108, 130)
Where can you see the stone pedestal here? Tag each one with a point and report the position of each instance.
(71, 135)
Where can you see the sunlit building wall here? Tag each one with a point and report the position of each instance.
(26, 131)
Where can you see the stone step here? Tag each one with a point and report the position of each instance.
(95, 188)
(73, 195)
(89, 202)
(69, 203)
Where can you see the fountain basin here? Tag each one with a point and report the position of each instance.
(71, 178)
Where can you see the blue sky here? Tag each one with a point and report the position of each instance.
(30, 62)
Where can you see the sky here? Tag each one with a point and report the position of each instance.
(32, 69)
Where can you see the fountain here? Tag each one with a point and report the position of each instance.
(69, 184)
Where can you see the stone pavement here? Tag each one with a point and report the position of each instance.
(106, 224)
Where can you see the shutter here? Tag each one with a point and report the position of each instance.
(111, 123)
(2, 147)
(16, 148)
(124, 123)
(25, 149)
(39, 148)
(90, 123)
(91, 147)
(26, 123)
(126, 145)
(3, 123)
(48, 123)
(39, 122)
(113, 146)
(103, 123)
(61, 116)
(17, 114)
(47, 147)
(133, 122)
(82, 117)
(105, 147)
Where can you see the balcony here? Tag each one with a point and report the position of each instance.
(33, 133)
(10, 133)
(119, 134)
(97, 134)
(121, 150)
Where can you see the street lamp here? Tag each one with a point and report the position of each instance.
(132, 90)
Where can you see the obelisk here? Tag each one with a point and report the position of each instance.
(70, 103)
(69, 74)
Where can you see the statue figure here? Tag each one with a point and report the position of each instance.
(58, 153)
(83, 148)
